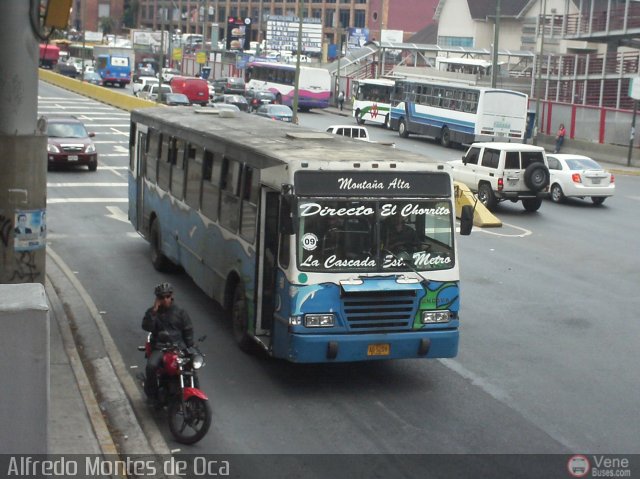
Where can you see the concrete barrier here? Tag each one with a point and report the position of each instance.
(115, 98)
(482, 217)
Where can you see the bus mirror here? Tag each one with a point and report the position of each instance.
(287, 221)
(464, 159)
(466, 220)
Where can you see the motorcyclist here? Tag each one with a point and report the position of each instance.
(167, 318)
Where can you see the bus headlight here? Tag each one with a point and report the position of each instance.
(295, 320)
(435, 316)
(319, 320)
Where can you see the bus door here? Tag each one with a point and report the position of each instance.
(267, 259)
(138, 169)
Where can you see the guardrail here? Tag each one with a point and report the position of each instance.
(114, 98)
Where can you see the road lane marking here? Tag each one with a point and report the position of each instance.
(117, 214)
(493, 231)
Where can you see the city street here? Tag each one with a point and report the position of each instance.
(549, 320)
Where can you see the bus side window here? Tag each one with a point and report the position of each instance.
(194, 175)
(177, 169)
(164, 163)
(153, 140)
(250, 193)
(210, 185)
(230, 194)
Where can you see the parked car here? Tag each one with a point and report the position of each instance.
(150, 91)
(195, 89)
(237, 100)
(276, 112)
(229, 85)
(259, 97)
(578, 176)
(93, 78)
(69, 143)
(140, 82)
(504, 171)
(175, 99)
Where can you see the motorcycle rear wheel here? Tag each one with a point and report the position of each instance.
(190, 420)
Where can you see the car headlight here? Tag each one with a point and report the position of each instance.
(319, 320)
(197, 361)
(53, 149)
(91, 148)
(436, 316)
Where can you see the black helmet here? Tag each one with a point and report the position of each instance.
(163, 288)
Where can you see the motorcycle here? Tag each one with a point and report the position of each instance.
(188, 407)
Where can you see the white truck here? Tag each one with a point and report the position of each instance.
(504, 171)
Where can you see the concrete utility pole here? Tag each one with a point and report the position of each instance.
(496, 37)
(296, 86)
(23, 151)
(541, 28)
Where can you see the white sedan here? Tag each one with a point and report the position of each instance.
(579, 176)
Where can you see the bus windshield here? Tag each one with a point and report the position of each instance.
(375, 235)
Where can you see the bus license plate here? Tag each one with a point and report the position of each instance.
(72, 157)
(379, 349)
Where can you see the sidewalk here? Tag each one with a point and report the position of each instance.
(95, 407)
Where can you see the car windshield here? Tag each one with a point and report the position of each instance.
(66, 130)
(374, 236)
(236, 99)
(583, 164)
(176, 98)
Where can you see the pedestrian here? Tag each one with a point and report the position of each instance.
(560, 138)
(341, 99)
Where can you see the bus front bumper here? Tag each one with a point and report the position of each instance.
(366, 347)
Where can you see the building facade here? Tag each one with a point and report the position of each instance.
(198, 16)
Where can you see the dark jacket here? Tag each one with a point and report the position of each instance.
(174, 320)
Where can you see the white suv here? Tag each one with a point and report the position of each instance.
(504, 171)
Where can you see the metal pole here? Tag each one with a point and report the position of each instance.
(539, 73)
(337, 85)
(84, 33)
(162, 26)
(633, 131)
(297, 77)
(496, 36)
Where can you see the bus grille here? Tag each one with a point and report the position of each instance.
(379, 311)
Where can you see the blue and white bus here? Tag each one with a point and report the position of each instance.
(457, 113)
(318, 257)
(114, 69)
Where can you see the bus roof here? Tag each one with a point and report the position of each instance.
(465, 86)
(263, 143)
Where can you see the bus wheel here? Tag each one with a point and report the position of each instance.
(386, 122)
(279, 99)
(403, 131)
(159, 261)
(445, 137)
(359, 119)
(240, 319)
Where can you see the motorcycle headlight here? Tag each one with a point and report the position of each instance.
(197, 361)
(91, 148)
(53, 149)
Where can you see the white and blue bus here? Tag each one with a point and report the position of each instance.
(457, 113)
(317, 257)
(372, 101)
